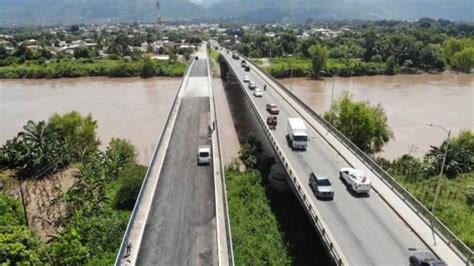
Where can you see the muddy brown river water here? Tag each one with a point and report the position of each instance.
(133, 108)
(409, 100)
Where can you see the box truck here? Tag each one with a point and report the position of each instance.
(297, 133)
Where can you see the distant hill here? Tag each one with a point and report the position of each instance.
(300, 10)
(76, 11)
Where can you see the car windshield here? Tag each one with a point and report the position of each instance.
(301, 138)
(323, 182)
(204, 154)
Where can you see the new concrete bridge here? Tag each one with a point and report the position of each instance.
(181, 215)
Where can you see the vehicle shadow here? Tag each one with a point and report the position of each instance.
(354, 194)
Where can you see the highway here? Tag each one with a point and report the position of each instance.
(181, 226)
(365, 228)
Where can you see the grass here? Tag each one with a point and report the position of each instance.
(89, 67)
(453, 207)
(256, 237)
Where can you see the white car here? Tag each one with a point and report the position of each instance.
(204, 154)
(356, 179)
(258, 92)
(246, 79)
(252, 85)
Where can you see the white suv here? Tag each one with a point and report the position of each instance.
(204, 154)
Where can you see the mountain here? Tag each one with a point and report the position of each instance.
(48, 12)
(300, 10)
(76, 11)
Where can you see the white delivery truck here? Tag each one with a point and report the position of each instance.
(297, 133)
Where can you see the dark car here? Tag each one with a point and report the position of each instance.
(235, 56)
(273, 109)
(247, 68)
(321, 186)
(243, 62)
(425, 258)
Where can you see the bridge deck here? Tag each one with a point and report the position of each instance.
(181, 226)
(366, 230)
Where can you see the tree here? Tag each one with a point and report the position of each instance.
(248, 153)
(464, 60)
(319, 55)
(67, 249)
(3, 52)
(370, 37)
(123, 148)
(78, 132)
(83, 52)
(148, 68)
(74, 28)
(459, 158)
(131, 179)
(18, 245)
(432, 56)
(391, 66)
(365, 125)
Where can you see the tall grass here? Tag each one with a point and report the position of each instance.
(89, 67)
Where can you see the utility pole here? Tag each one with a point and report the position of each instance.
(438, 183)
(158, 21)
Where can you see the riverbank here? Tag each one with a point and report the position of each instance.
(286, 67)
(36, 69)
(129, 108)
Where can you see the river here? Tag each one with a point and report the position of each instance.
(132, 108)
(446, 99)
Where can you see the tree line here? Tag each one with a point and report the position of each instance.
(366, 49)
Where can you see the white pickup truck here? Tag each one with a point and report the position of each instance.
(356, 179)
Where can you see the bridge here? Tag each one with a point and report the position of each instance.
(181, 215)
(381, 228)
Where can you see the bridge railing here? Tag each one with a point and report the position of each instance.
(426, 215)
(230, 248)
(318, 223)
(123, 245)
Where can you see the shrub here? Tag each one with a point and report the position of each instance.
(131, 179)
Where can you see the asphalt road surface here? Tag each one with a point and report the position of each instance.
(181, 227)
(365, 228)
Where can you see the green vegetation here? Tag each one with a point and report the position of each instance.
(214, 56)
(282, 67)
(366, 126)
(17, 242)
(248, 152)
(97, 205)
(93, 67)
(363, 48)
(255, 234)
(319, 56)
(455, 205)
